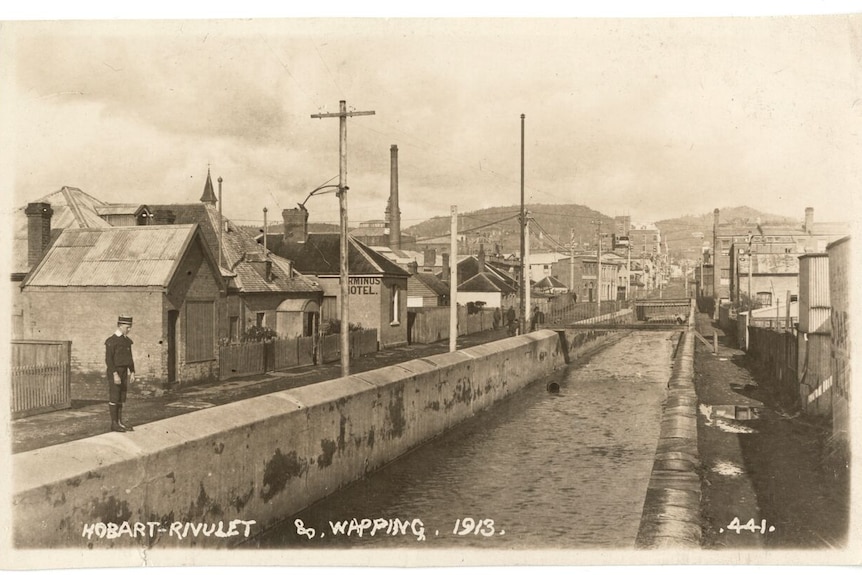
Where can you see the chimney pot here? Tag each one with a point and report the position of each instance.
(413, 267)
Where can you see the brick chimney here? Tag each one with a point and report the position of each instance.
(295, 224)
(809, 221)
(447, 273)
(38, 231)
(413, 268)
(429, 257)
(394, 209)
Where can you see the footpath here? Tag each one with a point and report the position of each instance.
(90, 418)
(765, 485)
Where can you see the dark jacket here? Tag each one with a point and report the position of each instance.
(118, 354)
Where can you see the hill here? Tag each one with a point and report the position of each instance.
(555, 226)
(685, 235)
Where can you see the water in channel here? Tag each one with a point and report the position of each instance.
(538, 470)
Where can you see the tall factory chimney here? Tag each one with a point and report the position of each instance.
(394, 210)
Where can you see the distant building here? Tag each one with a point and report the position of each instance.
(730, 238)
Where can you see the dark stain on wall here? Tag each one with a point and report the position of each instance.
(110, 509)
(238, 502)
(203, 505)
(218, 448)
(171, 476)
(328, 448)
(434, 405)
(278, 470)
(342, 430)
(395, 413)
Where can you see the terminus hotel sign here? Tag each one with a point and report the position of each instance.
(363, 285)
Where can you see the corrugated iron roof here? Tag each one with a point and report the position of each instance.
(134, 256)
(72, 208)
(320, 255)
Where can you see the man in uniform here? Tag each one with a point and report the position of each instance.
(121, 371)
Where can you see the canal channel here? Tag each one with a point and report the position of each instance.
(541, 469)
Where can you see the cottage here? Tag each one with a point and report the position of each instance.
(165, 276)
(377, 288)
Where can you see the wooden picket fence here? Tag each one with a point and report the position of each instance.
(41, 377)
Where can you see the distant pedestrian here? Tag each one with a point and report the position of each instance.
(120, 370)
(511, 320)
(498, 316)
(537, 318)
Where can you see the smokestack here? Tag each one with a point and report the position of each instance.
(394, 209)
(481, 258)
(413, 268)
(446, 271)
(38, 231)
(809, 221)
(295, 224)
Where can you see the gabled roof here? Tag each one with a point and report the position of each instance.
(239, 250)
(485, 282)
(72, 208)
(549, 282)
(432, 282)
(320, 255)
(128, 256)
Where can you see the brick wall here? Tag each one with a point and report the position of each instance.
(87, 319)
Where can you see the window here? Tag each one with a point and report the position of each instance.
(200, 331)
(394, 305)
(764, 298)
(260, 319)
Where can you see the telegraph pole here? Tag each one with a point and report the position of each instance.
(342, 116)
(453, 281)
(599, 268)
(523, 221)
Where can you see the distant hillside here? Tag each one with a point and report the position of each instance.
(555, 225)
(681, 233)
(558, 224)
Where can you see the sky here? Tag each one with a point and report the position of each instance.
(653, 117)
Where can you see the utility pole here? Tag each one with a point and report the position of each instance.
(453, 282)
(527, 290)
(598, 267)
(342, 115)
(572, 262)
(523, 221)
(221, 226)
(628, 268)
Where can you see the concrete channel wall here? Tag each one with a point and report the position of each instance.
(671, 513)
(213, 477)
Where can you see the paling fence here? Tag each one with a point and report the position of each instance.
(253, 358)
(41, 376)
